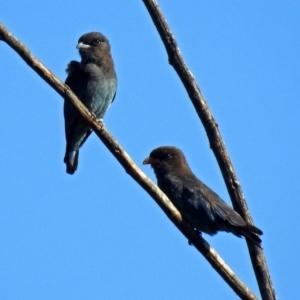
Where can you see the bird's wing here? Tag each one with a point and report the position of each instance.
(77, 81)
(226, 213)
(207, 202)
(114, 97)
(194, 203)
(219, 207)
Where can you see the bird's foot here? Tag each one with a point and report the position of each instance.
(94, 117)
(197, 232)
(100, 121)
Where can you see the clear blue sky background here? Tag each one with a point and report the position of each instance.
(97, 234)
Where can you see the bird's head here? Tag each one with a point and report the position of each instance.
(167, 160)
(92, 45)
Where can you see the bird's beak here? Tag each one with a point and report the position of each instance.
(82, 46)
(150, 161)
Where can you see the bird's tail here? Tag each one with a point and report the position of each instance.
(252, 233)
(71, 161)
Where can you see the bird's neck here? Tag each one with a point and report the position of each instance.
(159, 172)
(162, 173)
(102, 60)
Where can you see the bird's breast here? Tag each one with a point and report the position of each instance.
(99, 94)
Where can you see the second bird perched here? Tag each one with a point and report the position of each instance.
(94, 82)
(197, 203)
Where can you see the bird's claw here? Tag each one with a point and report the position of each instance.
(198, 233)
(94, 117)
(100, 121)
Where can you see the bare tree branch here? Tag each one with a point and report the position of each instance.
(131, 168)
(216, 143)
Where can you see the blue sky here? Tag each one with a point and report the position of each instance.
(97, 234)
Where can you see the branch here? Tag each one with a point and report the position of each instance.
(130, 167)
(216, 143)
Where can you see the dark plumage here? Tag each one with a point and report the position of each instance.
(94, 82)
(197, 203)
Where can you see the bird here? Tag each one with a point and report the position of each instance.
(198, 204)
(94, 81)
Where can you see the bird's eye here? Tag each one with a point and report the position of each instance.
(169, 155)
(96, 42)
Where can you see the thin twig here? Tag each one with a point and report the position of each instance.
(131, 168)
(216, 143)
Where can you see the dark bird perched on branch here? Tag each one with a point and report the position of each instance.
(197, 203)
(94, 82)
